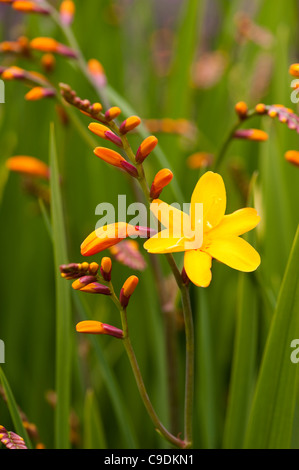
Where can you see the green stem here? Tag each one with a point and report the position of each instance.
(189, 381)
(230, 138)
(141, 387)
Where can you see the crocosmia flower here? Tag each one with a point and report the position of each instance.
(220, 233)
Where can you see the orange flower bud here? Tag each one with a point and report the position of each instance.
(109, 156)
(93, 268)
(83, 281)
(96, 70)
(38, 93)
(29, 7)
(127, 290)
(13, 73)
(97, 108)
(48, 62)
(105, 237)
(162, 179)
(241, 109)
(115, 159)
(45, 44)
(261, 108)
(129, 124)
(106, 267)
(67, 11)
(292, 156)
(199, 160)
(294, 70)
(28, 165)
(112, 113)
(251, 134)
(145, 148)
(98, 328)
(105, 133)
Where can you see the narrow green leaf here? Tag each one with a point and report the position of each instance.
(94, 436)
(272, 414)
(14, 410)
(243, 369)
(63, 308)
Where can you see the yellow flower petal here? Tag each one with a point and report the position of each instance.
(163, 243)
(197, 265)
(177, 221)
(237, 223)
(234, 252)
(210, 191)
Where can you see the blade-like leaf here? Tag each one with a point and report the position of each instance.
(13, 409)
(272, 414)
(94, 436)
(63, 307)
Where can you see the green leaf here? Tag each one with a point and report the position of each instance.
(63, 307)
(272, 414)
(244, 362)
(14, 410)
(94, 436)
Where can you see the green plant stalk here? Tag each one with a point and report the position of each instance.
(141, 387)
(230, 137)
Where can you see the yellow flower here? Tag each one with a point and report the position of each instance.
(220, 232)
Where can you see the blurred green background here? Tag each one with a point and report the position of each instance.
(167, 59)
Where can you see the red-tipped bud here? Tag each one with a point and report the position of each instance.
(67, 12)
(145, 148)
(106, 268)
(83, 281)
(29, 7)
(38, 93)
(162, 179)
(127, 290)
(251, 134)
(105, 133)
(96, 288)
(97, 72)
(112, 113)
(292, 156)
(129, 124)
(98, 328)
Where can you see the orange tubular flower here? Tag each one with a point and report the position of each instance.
(38, 93)
(145, 148)
(292, 156)
(294, 70)
(251, 134)
(105, 237)
(105, 133)
(29, 166)
(98, 328)
(129, 124)
(115, 159)
(45, 44)
(97, 72)
(67, 12)
(127, 290)
(220, 232)
(29, 7)
(162, 179)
